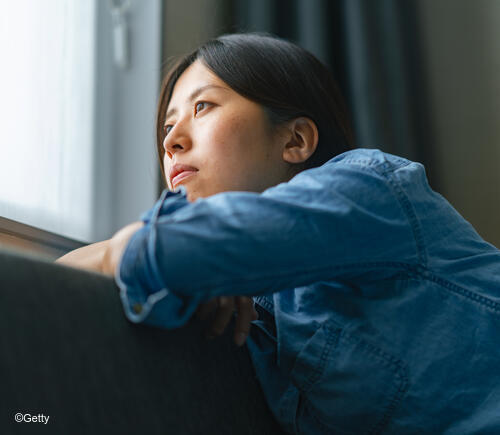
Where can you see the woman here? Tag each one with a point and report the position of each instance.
(378, 301)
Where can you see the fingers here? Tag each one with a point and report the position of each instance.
(223, 316)
(224, 307)
(204, 309)
(246, 313)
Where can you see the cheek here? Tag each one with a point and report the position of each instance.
(223, 131)
(220, 145)
(234, 153)
(233, 136)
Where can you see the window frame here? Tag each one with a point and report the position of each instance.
(124, 182)
(21, 237)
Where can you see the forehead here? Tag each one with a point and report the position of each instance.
(194, 77)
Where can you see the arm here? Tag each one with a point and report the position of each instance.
(87, 257)
(115, 247)
(332, 222)
(223, 306)
(104, 257)
(101, 256)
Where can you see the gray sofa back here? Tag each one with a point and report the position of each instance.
(69, 353)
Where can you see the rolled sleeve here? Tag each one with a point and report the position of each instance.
(143, 293)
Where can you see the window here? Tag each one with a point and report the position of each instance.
(77, 137)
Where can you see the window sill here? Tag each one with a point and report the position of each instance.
(25, 238)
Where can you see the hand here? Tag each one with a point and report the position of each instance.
(225, 306)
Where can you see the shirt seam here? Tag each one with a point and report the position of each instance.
(462, 291)
(409, 211)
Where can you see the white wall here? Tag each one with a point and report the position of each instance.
(126, 167)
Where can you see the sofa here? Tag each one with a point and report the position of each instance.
(70, 354)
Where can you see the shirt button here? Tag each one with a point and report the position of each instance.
(137, 308)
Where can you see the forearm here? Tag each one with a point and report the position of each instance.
(102, 256)
(87, 257)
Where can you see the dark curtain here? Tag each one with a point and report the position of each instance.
(372, 47)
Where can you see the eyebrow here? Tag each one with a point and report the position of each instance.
(193, 95)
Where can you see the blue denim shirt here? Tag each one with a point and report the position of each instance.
(382, 302)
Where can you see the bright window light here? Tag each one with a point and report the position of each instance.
(46, 109)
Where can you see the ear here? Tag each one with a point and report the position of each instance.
(302, 140)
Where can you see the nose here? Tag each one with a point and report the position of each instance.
(176, 140)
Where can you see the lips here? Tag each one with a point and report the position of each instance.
(179, 172)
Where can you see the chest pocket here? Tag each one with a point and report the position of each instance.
(347, 385)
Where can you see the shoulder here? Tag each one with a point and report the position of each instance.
(372, 158)
(358, 183)
(363, 166)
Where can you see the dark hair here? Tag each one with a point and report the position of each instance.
(287, 80)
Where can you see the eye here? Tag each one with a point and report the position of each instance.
(167, 128)
(200, 106)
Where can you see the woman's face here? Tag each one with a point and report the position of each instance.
(224, 136)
